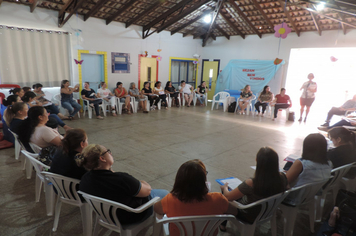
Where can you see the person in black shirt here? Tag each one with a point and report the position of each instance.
(201, 90)
(171, 90)
(102, 181)
(153, 98)
(90, 95)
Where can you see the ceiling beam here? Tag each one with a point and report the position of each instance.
(180, 16)
(190, 32)
(246, 19)
(64, 8)
(166, 14)
(95, 9)
(0, 2)
(33, 5)
(216, 11)
(291, 21)
(144, 13)
(234, 27)
(189, 22)
(121, 10)
(264, 15)
(222, 31)
(326, 16)
(316, 23)
(331, 7)
(77, 4)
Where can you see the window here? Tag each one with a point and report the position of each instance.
(183, 70)
(120, 62)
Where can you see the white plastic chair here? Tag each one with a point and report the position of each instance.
(134, 104)
(106, 215)
(18, 147)
(305, 196)
(334, 186)
(169, 100)
(40, 178)
(67, 193)
(181, 94)
(268, 208)
(349, 183)
(222, 99)
(194, 225)
(286, 109)
(249, 107)
(195, 98)
(37, 149)
(148, 106)
(57, 100)
(90, 109)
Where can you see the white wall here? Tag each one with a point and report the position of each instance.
(266, 48)
(116, 38)
(97, 36)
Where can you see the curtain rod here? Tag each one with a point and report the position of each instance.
(34, 30)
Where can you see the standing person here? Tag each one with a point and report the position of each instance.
(349, 105)
(245, 98)
(201, 93)
(308, 96)
(89, 94)
(281, 100)
(263, 100)
(134, 92)
(161, 93)
(121, 93)
(153, 98)
(187, 90)
(67, 98)
(171, 90)
(107, 96)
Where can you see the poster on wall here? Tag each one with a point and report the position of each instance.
(120, 62)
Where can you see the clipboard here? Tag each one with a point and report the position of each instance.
(233, 182)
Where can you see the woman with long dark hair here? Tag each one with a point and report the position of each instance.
(153, 98)
(34, 129)
(267, 182)
(94, 100)
(171, 90)
(159, 91)
(190, 196)
(63, 162)
(263, 100)
(17, 91)
(6, 103)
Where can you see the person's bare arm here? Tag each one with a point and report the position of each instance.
(294, 171)
(56, 141)
(158, 208)
(69, 91)
(145, 190)
(235, 193)
(181, 89)
(76, 88)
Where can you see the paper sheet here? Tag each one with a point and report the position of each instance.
(232, 183)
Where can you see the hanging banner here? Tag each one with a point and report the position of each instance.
(238, 73)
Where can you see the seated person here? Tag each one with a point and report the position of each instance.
(10, 100)
(15, 115)
(107, 96)
(67, 100)
(171, 90)
(153, 98)
(17, 91)
(349, 105)
(161, 93)
(26, 89)
(134, 92)
(312, 167)
(89, 94)
(245, 98)
(263, 100)
(268, 181)
(344, 143)
(34, 129)
(281, 101)
(187, 90)
(121, 93)
(48, 105)
(64, 160)
(201, 93)
(102, 181)
(30, 99)
(190, 196)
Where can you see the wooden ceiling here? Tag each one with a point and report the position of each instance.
(229, 17)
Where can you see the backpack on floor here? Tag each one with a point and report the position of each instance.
(232, 107)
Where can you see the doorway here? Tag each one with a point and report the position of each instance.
(210, 74)
(148, 71)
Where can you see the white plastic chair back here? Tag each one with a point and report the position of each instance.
(349, 182)
(106, 214)
(220, 97)
(35, 147)
(18, 145)
(170, 100)
(86, 103)
(119, 106)
(197, 225)
(268, 207)
(40, 178)
(67, 193)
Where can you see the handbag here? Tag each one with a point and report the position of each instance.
(46, 155)
(346, 201)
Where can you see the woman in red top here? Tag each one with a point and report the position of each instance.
(190, 196)
(121, 93)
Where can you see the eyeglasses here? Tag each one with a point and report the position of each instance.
(107, 151)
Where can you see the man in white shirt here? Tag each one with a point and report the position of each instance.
(187, 90)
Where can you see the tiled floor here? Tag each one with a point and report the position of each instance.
(151, 147)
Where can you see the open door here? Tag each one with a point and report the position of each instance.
(148, 71)
(210, 76)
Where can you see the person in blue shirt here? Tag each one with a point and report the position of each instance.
(349, 105)
(5, 128)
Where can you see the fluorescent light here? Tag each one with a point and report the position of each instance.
(320, 6)
(207, 18)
